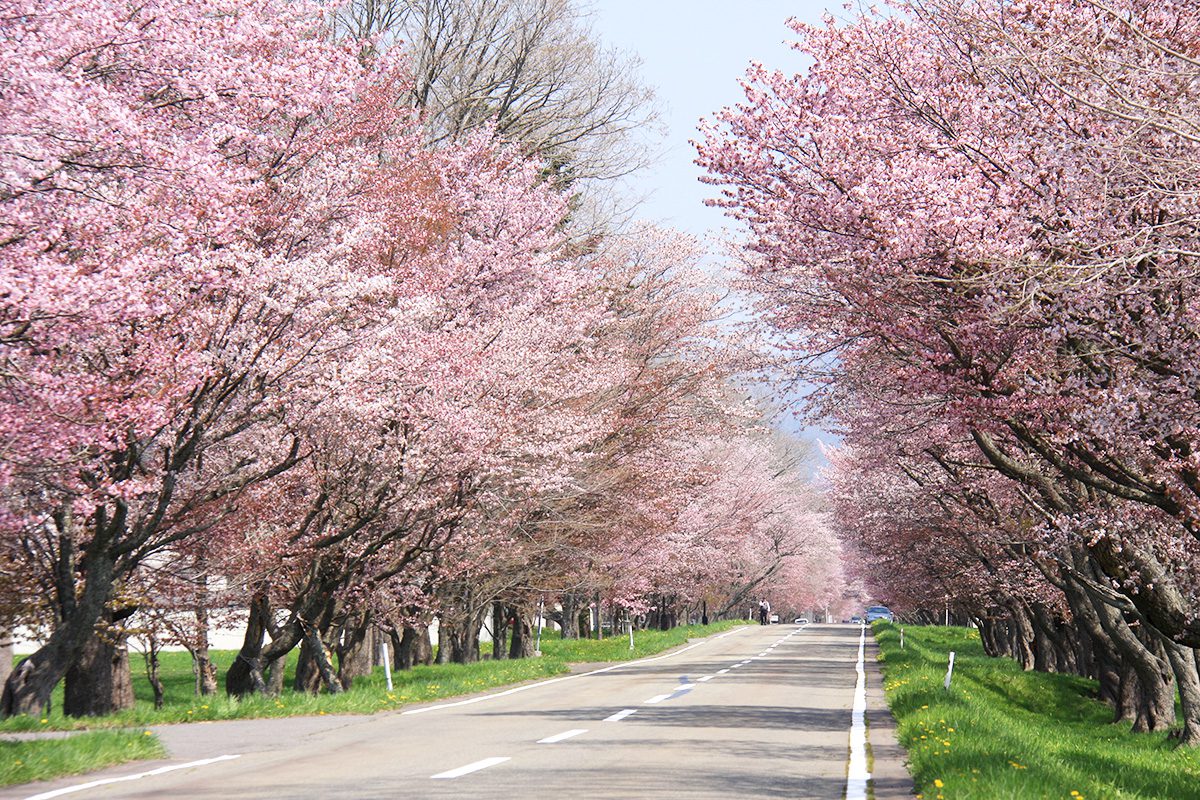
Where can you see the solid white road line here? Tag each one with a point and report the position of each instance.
(469, 768)
(658, 698)
(558, 737)
(857, 776)
(620, 715)
(105, 781)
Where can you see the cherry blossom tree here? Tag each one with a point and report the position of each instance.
(973, 223)
(174, 211)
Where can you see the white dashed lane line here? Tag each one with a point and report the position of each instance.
(620, 715)
(469, 768)
(558, 737)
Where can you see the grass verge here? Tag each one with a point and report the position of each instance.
(368, 695)
(27, 761)
(1001, 733)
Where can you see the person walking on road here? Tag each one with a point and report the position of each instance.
(764, 612)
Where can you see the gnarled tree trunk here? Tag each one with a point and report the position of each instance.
(355, 648)
(499, 631)
(99, 682)
(28, 688)
(522, 636)
(413, 646)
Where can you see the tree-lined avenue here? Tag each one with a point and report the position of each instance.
(757, 712)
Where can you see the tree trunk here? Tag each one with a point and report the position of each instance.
(6, 654)
(277, 669)
(597, 617)
(152, 672)
(413, 647)
(1022, 635)
(570, 616)
(99, 682)
(28, 688)
(499, 631)
(522, 636)
(205, 670)
(1183, 665)
(308, 667)
(1045, 655)
(354, 649)
(988, 636)
(1148, 687)
(320, 657)
(245, 675)
(1104, 658)
(458, 641)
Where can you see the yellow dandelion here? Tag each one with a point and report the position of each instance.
(938, 783)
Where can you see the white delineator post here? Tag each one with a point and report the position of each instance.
(902, 638)
(537, 647)
(387, 662)
(949, 670)
(629, 622)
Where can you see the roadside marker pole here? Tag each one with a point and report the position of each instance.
(537, 648)
(387, 662)
(949, 670)
(630, 624)
(902, 638)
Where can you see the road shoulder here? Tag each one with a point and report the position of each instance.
(889, 775)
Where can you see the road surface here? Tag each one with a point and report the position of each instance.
(758, 712)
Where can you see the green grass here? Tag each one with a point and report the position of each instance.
(1003, 733)
(24, 762)
(616, 648)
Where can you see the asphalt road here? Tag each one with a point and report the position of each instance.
(760, 712)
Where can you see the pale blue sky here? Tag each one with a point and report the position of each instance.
(693, 54)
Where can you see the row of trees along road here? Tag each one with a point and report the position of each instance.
(297, 330)
(977, 224)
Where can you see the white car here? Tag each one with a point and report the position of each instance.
(774, 619)
(801, 621)
(880, 612)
